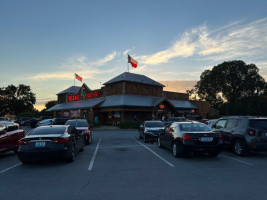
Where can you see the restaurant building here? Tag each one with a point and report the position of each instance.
(127, 97)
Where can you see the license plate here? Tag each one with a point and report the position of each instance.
(40, 144)
(206, 139)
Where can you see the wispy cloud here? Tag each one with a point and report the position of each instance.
(106, 59)
(235, 40)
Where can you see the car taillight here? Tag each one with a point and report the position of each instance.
(60, 140)
(23, 142)
(251, 132)
(221, 137)
(186, 137)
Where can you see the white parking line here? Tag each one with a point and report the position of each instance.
(9, 168)
(170, 164)
(241, 161)
(93, 158)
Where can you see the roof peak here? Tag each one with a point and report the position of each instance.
(132, 77)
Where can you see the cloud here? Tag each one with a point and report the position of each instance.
(233, 41)
(106, 59)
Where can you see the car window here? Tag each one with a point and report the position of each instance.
(154, 124)
(258, 123)
(194, 127)
(220, 124)
(48, 130)
(71, 122)
(82, 123)
(231, 123)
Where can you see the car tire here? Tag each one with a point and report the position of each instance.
(25, 162)
(159, 143)
(240, 148)
(213, 154)
(144, 138)
(177, 150)
(73, 154)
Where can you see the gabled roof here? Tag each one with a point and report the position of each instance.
(136, 78)
(75, 105)
(70, 90)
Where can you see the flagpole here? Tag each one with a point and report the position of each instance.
(74, 79)
(128, 62)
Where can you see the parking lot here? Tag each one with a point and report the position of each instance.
(117, 165)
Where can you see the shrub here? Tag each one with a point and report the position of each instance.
(129, 124)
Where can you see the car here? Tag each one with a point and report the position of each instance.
(4, 119)
(45, 122)
(149, 130)
(210, 122)
(83, 127)
(243, 133)
(22, 120)
(173, 119)
(10, 134)
(59, 121)
(190, 137)
(50, 142)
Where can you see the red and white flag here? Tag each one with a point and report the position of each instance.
(78, 77)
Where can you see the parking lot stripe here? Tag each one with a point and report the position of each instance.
(9, 168)
(241, 161)
(170, 164)
(93, 158)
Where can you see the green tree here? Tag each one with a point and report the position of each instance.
(230, 82)
(15, 100)
(50, 104)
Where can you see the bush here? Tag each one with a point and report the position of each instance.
(130, 124)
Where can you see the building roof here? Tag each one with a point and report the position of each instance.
(75, 105)
(70, 90)
(136, 78)
(182, 104)
(129, 101)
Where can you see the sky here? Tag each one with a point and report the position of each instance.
(43, 43)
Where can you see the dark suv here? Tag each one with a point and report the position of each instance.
(243, 133)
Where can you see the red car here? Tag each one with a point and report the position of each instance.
(10, 134)
(83, 127)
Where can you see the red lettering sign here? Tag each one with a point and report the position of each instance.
(86, 96)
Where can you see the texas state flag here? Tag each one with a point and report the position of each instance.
(133, 62)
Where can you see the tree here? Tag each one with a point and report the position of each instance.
(50, 104)
(230, 82)
(15, 100)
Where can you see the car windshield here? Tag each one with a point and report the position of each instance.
(48, 130)
(77, 123)
(258, 123)
(154, 124)
(194, 127)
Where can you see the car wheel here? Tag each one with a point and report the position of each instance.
(73, 154)
(177, 150)
(25, 162)
(144, 138)
(213, 154)
(159, 143)
(240, 148)
(90, 140)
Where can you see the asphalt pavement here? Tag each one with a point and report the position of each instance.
(117, 166)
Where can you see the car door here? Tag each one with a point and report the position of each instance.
(230, 129)
(3, 139)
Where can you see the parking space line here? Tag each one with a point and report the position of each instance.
(93, 158)
(241, 161)
(9, 168)
(167, 162)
